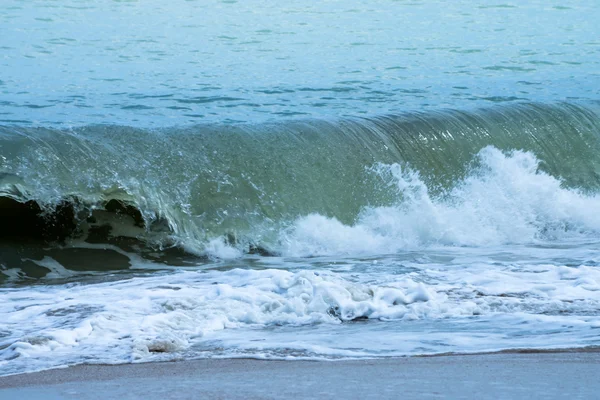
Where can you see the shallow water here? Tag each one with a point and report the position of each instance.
(342, 180)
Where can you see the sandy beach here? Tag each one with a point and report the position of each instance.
(571, 375)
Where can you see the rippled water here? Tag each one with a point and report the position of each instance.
(153, 63)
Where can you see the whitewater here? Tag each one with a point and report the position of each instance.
(235, 186)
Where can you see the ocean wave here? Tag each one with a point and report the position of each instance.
(511, 174)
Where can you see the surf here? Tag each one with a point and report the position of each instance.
(219, 190)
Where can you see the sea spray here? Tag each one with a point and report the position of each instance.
(505, 199)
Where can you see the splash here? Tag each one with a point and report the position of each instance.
(505, 199)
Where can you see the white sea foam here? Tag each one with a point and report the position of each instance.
(164, 314)
(220, 249)
(506, 199)
(260, 312)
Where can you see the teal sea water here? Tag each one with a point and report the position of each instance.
(296, 181)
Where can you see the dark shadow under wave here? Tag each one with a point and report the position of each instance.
(80, 237)
(84, 238)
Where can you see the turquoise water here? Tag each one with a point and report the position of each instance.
(296, 181)
(153, 63)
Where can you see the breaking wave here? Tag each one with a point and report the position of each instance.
(514, 174)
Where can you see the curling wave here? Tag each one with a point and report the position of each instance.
(515, 174)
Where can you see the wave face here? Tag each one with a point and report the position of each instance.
(513, 174)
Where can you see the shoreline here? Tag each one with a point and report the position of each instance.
(515, 374)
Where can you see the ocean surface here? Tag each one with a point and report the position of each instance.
(298, 180)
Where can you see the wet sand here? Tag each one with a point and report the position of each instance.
(573, 375)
